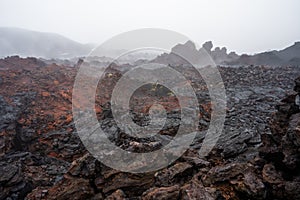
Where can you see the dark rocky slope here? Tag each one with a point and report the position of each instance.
(41, 156)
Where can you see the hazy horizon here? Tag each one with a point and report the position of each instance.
(241, 26)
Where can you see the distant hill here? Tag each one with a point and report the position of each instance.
(290, 54)
(16, 41)
(287, 56)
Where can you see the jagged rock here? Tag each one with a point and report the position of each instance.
(252, 186)
(281, 150)
(84, 166)
(270, 174)
(7, 172)
(7, 114)
(188, 51)
(233, 149)
(166, 176)
(195, 190)
(69, 188)
(297, 85)
(162, 193)
(293, 132)
(125, 181)
(198, 162)
(220, 55)
(117, 195)
(208, 46)
(98, 196)
(225, 173)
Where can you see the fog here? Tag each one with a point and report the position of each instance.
(244, 26)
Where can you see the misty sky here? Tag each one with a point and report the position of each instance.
(240, 25)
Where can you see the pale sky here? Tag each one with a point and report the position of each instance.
(244, 26)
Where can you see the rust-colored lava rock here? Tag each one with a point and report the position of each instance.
(42, 157)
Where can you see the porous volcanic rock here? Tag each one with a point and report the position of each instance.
(42, 156)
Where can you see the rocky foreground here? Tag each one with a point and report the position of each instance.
(42, 157)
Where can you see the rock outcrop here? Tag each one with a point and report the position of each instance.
(286, 57)
(188, 54)
(281, 149)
